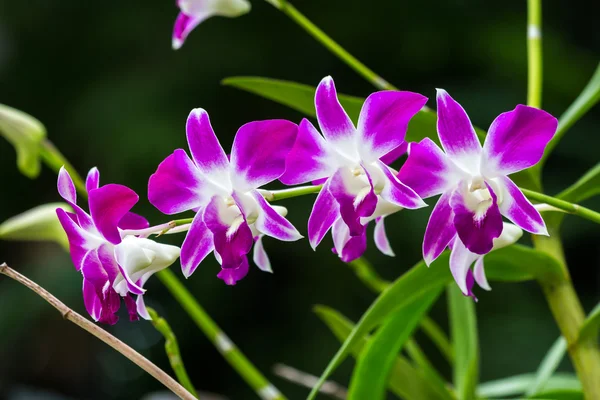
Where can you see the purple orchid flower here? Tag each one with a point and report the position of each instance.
(114, 263)
(230, 212)
(348, 160)
(472, 180)
(461, 260)
(193, 12)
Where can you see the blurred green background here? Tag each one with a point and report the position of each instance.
(103, 79)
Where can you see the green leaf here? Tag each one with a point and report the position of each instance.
(25, 133)
(38, 224)
(463, 328)
(518, 384)
(374, 365)
(405, 380)
(514, 263)
(591, 325)
(587, 186)
(548, 365)
(559, 394)
(586, 100)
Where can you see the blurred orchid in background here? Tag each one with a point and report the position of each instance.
(476, 191)
(193, 12)
(230, 212)
(357, 186)
(113, 264)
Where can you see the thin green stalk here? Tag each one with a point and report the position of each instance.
(438, 337)
(563, 205)
(534, 53)
(289, 10)
(276, 195)
(420, 359)
(230, 352)
(172, 350)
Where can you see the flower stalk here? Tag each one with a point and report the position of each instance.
(331, 45)
(534, 53)
(100, 333)
(263, 388)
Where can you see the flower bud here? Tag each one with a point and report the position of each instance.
(38, 224)
(25, 133)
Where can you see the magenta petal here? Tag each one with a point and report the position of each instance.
(324, 213)
(184, 24)
(394, 154)
(99, 271)
(460, 262)
(260, 257)
(428, 171)
(204, 145)
(347, 247)
(440, 229)
(66, 187)
(516, 140)
(309, 158)
(176, 185)
(108, 205)
(92, 302)
(131, 308)
(232, 275)
(381, 239)
(384, 119)
(259, 151)
(397, 192)
(477, 224)
(133, 221)
(232, 240)
(343, 187)
(93, 179)
(79, 240)
(271, 223)
(333, 120)
(198, 243)
(455, 129)
(517, 208)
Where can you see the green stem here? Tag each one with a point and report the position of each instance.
(55, 160)
(172, 350)
(420, 359)
(230, 352)
(563, 205)
(289, 10)
(276, 195)
(534, 53)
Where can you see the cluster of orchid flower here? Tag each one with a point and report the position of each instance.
(349, 163)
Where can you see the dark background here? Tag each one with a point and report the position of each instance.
(103, 79)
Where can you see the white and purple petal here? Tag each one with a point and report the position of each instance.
(381, 240)
(461, 260)
(394, 154)
(259, 152)
(479, 274)
(108, 205)
(232, 275)
(440, 229)
(517, 208)
(397, 192)
(271, 223)
(457, 134)
(176, 186)
(428, 171)
(516, 140)
(259, 256)
(207, 152)
(92, 180)
(309, 159)
(198, 243)
(477, 218)
(383, 121)
(347, 247)
(80, 241)
(324, 213)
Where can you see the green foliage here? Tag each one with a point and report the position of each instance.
(587, 186)
(591, 325)
(463, 327)
(548, 365)
(25, 133)
(514, 263)
(404, 380)
(519, 384)
(375, 362)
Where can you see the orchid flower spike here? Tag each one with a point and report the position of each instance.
(461, 260)
(114, 265)
(358, 185)
(193, 12)
(473, 180)
(230, 212)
